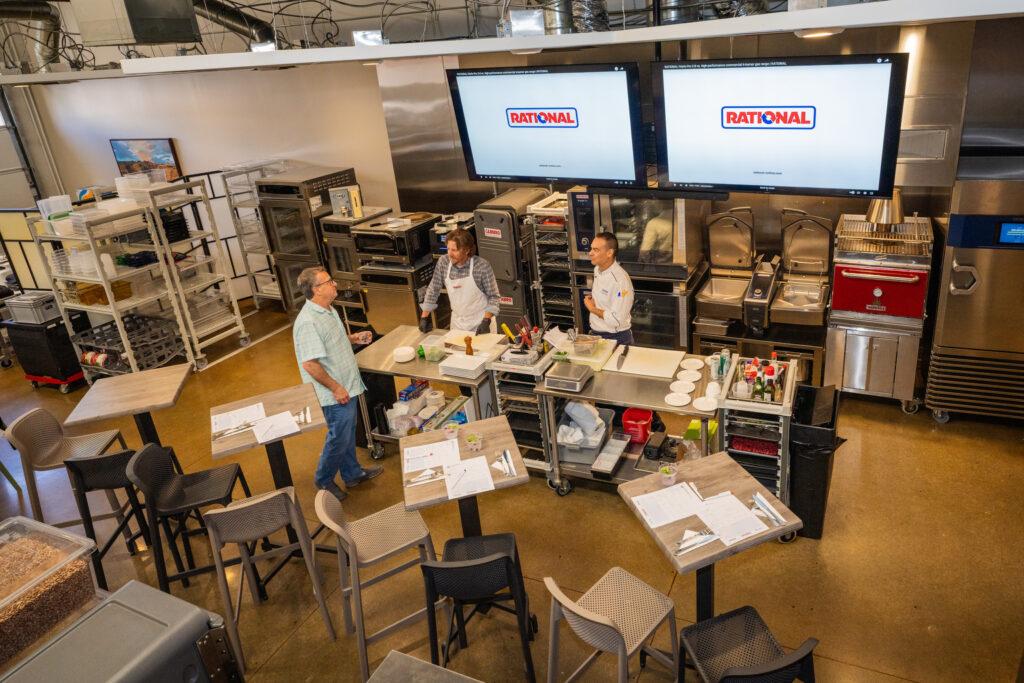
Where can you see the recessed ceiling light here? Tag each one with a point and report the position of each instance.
(818, 32)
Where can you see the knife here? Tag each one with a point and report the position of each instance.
(622, 357)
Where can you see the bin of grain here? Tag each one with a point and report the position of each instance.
(45, 576)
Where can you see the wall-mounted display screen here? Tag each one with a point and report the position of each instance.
(790, 125)
(1011, 233)
(578, 124)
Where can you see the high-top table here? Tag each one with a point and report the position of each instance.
(497, 436)
(135, 394)
(711, 475)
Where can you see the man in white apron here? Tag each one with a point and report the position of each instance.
(471, 286)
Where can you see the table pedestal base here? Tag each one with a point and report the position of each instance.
(147, 430)
(705, 592)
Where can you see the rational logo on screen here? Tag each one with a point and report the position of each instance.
(548, 117)
(770, 117)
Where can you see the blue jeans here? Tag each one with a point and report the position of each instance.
(624, 338)
(339, 454)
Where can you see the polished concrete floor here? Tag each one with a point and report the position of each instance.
(918, 576)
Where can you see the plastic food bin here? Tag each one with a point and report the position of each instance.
(33, 307)
(433, 348)
(637, 423)
(586, 454)
(45, 577)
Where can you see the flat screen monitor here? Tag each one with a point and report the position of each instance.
(787, 125)
(577, 124)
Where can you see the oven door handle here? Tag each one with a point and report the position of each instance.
(964, 291)
(906, 279)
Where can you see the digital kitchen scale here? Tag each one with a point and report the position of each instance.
(568, 376)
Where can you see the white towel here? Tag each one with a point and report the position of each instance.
(584, 414)
(570, 436)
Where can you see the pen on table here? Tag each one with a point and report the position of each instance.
(457, 479)
(511, 465)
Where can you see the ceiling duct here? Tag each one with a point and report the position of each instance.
(255, 31)
(43, 39)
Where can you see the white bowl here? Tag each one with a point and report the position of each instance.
(713, 390)
(681, 387)
(404, 354)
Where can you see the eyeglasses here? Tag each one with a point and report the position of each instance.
(325, 282)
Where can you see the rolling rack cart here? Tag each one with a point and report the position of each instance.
(553, 286)
(145, 328)
(755, 433)
(526, 411)
(240, 191)
(208, 307)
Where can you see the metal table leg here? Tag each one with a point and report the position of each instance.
(469, 512)
(706, 592)
(704, 436)
(147, 430)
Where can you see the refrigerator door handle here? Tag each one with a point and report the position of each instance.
(964, 291)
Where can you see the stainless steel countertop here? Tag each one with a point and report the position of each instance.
(379, 358)
(634, 391)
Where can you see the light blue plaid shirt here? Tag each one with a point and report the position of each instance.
(320, 335)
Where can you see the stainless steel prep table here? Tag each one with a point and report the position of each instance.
(378, 358)
(627, 391)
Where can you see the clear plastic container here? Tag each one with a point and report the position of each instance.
(433, 348)
(45, 577)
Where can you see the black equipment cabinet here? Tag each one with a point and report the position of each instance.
(44, 349)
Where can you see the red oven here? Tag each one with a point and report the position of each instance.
(899, 292)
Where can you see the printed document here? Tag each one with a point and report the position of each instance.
(468, 477)
(275, 427)
(416, 458)
(236, 418)
(729, 519)
(667, 505)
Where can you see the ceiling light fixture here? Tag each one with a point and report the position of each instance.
(818, 32)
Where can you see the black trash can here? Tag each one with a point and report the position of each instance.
(811, 453)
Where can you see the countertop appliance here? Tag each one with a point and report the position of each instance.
(402, 239)
(439, 238)
(506, 241)
(879, 295)
(805, 271)
(291, 204)
(568, 376)
(659, 235)
(392, 292)
(732, 246)
(977, 361)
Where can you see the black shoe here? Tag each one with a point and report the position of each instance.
(368, 473)
(335, 491)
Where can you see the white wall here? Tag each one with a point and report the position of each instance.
(328, 114)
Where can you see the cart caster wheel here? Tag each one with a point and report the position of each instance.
(35, 384)
(551, 484)
(910, 407)
(377, 452)
(244, 340)
(202, 362)
(65, 388)
(565, 488)
(788, 538)
(6, 363)
(940, 416)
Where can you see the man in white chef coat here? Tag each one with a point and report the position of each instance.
(611, 297)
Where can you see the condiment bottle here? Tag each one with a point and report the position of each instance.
(469, 345)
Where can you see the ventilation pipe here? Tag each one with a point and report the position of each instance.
(255, 31)
(44, 38)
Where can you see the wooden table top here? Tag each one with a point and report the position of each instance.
(711, 475)
(130, 394)
(292, 399)
(497, 436)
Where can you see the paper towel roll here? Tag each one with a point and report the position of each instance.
(435, 397)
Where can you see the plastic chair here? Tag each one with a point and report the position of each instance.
(245, 522)
(363, 543)
(619, 614)
(170, 495)
(105, 472)
(475, 571)
(42, 444)
(738, 646)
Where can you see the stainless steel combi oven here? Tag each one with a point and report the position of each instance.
(659, 236)
(404, 239)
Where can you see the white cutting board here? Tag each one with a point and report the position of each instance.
(642, 360)
(598, 358)
(481, 342)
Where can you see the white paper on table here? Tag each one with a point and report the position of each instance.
(416, 458)
(667, 505)
(275, 427)
(468, 477)
(729, 519)
(236, 418)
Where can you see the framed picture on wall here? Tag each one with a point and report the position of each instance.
(138, 155)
